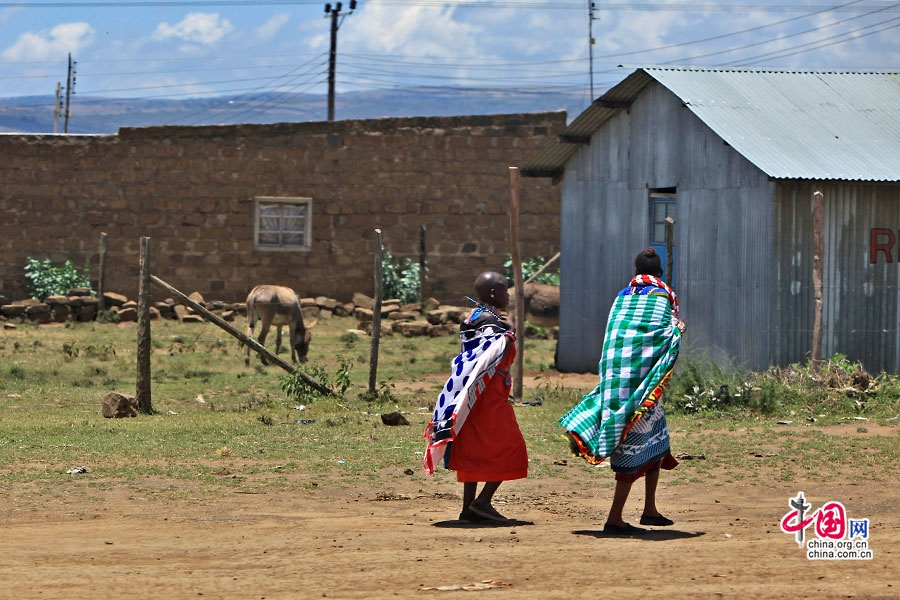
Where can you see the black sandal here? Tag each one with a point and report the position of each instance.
(658, 521)
(467, 516)
(628, 529)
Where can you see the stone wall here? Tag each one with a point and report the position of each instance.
(192, 190)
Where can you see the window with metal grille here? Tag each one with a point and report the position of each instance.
(283, 224)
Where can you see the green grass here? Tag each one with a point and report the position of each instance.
(244, 435)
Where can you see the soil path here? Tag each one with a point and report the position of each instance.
(348, 543)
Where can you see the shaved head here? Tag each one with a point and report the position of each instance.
(491, 289)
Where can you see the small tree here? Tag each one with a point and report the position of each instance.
(47, 280)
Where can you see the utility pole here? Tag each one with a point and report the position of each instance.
(70, 84)
(336, 21)
(56, 110)
(591, 44)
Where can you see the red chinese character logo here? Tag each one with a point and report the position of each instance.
(788, 527)
(831, 521)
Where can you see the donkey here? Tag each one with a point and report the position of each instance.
(277, 305)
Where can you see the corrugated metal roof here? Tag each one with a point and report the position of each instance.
(791, 124)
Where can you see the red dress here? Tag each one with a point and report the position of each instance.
(490, 446)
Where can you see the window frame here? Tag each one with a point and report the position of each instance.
(261, 201)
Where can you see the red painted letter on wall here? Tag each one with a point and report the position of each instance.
(875, 247)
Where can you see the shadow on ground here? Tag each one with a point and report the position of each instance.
(481, 525)
(653, 535)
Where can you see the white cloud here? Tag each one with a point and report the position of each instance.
(267, 30)
(198, 28)
(417, 31)
(52, 44)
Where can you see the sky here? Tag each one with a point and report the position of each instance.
(176, 50)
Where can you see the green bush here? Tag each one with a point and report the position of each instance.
(530, 266)
(297, 389)
(47, 280)
(400, 282)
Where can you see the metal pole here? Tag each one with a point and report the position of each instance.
(517, 278)
(144, 345)
(376, 315)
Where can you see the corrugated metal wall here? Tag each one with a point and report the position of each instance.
(723, 236)
(861, 306)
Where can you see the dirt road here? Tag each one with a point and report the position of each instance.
(361, 543)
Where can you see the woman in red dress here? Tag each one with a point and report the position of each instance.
(485, 443)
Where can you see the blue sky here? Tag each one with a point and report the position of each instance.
(201, 49)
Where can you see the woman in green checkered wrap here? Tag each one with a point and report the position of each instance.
(622, 418)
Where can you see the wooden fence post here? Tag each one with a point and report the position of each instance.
(101, 278)
(517, 278)
(376, 315)
(817, 274)
(144, 346)
(670, 242)
(422, 264)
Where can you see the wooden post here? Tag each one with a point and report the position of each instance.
(376, 315)
(144, 348)
(254, 345)
(517, 278)
(817, 274)
(670, 242)
(101, 278)
(422, 264)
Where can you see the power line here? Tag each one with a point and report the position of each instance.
(258, 89)
(817, 44)
(814, 29)
(487, 4)
(270, 102)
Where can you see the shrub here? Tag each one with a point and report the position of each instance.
(296, 388)
(400, 282)
(530, 266)
(47, 280)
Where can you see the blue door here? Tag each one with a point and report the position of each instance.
(662, 206)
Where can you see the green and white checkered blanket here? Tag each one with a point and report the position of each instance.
(639, 351)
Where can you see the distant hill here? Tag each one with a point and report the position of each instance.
(34, 114)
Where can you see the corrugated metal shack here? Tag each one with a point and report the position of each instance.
(734, 156)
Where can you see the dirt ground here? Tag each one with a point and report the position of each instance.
(358, 543)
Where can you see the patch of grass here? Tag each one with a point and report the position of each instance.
(50, 402)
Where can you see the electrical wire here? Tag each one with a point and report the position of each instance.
(226, 101)
(486, 4)
(783, 52)
(754, 44)
(277, 104)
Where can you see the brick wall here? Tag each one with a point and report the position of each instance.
(192, 190)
